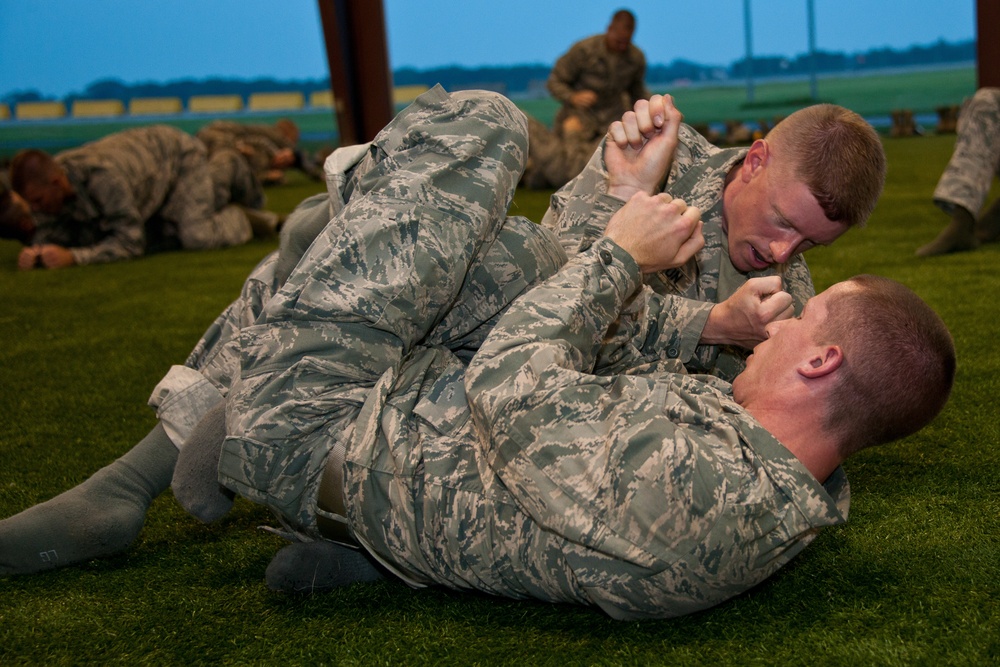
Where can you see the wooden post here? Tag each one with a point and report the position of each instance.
(358, 58)
(988, 43)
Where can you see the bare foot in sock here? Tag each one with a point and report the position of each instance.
(958, 236)
(313, 567)
(196, 484)
(100, 517)
(988, 226)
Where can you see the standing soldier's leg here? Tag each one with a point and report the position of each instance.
(966, 180)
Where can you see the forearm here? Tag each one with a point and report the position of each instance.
(562, 78)
(126, 242)
(579, 212)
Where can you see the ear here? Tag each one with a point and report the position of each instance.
(825, 361)
(757, 157)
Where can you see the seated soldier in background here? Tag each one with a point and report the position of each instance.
(427, 388)
(130, 193)
(596, 81)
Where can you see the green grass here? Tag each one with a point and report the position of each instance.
(913, 578)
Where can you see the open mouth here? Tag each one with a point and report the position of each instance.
(758, 260)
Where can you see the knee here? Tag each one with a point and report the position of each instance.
(497, 115)
(984, 104)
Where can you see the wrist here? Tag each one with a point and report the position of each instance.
(623, 191)
(713, 333)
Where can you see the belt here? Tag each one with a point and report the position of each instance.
(330, 499)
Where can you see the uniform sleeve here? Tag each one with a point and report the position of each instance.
(50, 231)
(119, 219)
(579, 212)
(549, 427)
(654, 328)
(797, 281)
(264, 142)
(675, 326)
(564, 75)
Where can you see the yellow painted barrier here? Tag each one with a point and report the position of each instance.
(152, 106)
(321, 99)
(406, 94)
(97, 108)
(214, 103)
(276, 101)
(39, 110)
(4, 112)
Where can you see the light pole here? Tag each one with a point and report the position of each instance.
(748, 38)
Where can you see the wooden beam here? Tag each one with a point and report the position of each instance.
(988, 43)
(358, 58)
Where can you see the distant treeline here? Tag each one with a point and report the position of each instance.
(530, 79)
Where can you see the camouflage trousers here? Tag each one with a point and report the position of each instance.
(201, 218)
(188, 391)
(967, 179)
(233, 180)
(422, 256)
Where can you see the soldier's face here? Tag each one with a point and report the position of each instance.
(791, 345)
(619, 36)
(44, 198)
(769, 216)
(22, 224)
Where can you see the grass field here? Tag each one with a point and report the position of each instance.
(872, 96)
(912, 579)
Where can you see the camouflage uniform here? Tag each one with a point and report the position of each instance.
(262, 141)
(648, 494)
(578, 498)
(154, 180)
(617, 78)
(967, 179)
(683, 297)
(554, 159)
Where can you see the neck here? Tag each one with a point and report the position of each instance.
(804, 437)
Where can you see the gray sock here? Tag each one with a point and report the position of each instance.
(313, 567)
(196, 482)
(101, 516)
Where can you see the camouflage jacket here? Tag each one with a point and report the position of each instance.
(580, 211)
(654, 495)
(618, 80)
(120, 181)
(262, 142)
(533, 474)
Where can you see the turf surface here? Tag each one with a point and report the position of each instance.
(913, 578)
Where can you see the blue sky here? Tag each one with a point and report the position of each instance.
(59, 46)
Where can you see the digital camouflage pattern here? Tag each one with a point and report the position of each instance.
(554, 159)
(967, 179)
(157, 176)
(617, 78)
(665, 499)
(580, 211)
(259, 142)
(653, 493)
